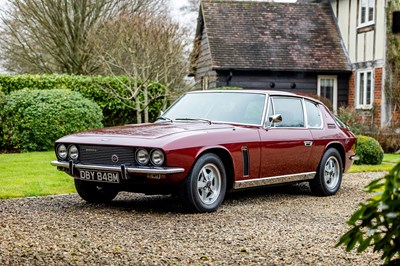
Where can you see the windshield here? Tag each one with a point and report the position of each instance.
(231, 107)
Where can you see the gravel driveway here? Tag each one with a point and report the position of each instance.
(273, 226)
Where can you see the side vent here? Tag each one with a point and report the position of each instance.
(245, 154)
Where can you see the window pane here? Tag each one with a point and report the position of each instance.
(371, 10)
(363, 10)
(327, 88)
(313, 115)
(361, 90)
(270, 113)
(291, 110)
(246, 108)
(369, 86)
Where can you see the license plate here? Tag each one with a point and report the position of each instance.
(98, 176)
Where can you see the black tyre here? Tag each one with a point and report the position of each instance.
(95, 193)
(205, 187)
(328, 179)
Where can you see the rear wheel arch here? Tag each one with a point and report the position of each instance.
(340, 149)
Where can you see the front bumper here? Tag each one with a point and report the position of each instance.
(124, 170)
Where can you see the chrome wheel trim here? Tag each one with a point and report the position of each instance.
(332, 173)
(209, 183)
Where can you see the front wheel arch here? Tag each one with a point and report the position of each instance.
(226, 159)
(205, 186)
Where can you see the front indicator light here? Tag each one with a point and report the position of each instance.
(73, 152)
(157, 157)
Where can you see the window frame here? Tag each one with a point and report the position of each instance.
(367, 13)
(306, 114)
(335, 89)
(271, 105)
(364, 105)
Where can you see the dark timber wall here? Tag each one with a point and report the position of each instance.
(306, 82)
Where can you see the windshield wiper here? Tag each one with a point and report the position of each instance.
(193, 119)
(165, 118)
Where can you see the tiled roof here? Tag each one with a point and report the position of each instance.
(273, 36)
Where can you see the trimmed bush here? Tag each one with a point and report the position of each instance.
(369, 150)
(115, 111)
(33, 119)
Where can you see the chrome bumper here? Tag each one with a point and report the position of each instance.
(122, 168)
(354, 157)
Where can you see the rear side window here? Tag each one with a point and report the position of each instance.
(291, 110)
(313, 112)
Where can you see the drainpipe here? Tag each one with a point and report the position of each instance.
(228, 80)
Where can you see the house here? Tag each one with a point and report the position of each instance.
(330, 48)
(266, 45)
(363, 27)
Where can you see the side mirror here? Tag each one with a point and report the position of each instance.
(274, 119)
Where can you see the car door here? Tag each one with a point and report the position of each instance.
(285, 145)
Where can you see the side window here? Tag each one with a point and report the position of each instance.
(270, 112)
(313, 115)
(291, 110)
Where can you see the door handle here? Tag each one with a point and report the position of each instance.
(308, 143)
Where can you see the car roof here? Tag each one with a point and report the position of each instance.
(266, 92)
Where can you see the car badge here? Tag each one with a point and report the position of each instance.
(114, 158)
(105, 139)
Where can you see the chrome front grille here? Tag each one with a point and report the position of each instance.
(110, 155)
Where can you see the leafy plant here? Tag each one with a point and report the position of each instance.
(350, 117)
(116, 111)
(377, 222)
(34, 119)
(388, 138)
(369, 150)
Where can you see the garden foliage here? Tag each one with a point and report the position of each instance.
(31, 120)
(369, 150)
(115, 110)
(377, 222)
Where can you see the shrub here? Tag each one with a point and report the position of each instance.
(388, 138)
(115, 111)
(34, 119)
(350, 117)
(369, 150)
(377, 222)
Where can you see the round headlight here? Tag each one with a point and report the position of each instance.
(157, 157)
(62, 152)
(142, 156)
(73, 152)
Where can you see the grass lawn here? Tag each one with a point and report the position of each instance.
(30, 174)
(389, 160)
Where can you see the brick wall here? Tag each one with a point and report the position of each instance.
(377, 96)
(366, 117)
(352, 90)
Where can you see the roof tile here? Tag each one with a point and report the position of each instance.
(273, 36)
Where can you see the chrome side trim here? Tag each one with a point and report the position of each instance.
(354, 157)
(122, 168)
(265, 181)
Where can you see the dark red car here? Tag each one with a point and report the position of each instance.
(211, 142)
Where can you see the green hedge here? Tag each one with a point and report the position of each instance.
(115, 111)
(31, 120)
(369, 150)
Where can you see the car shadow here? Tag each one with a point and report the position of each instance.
(134, 202)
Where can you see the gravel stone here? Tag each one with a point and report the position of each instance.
(271, 226)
